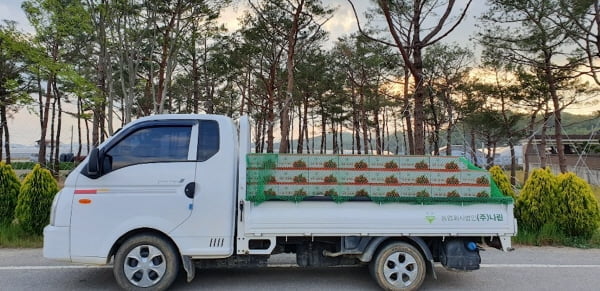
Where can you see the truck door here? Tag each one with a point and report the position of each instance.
(147, 181)
(208, 233)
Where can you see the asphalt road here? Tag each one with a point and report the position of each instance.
(526, 268)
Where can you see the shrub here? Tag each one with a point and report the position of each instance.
(582, 216)
(35, 199)
(539, 202)
(9, 191)
(502, 181)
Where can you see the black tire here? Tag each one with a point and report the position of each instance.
(398, 266)
(146, 262)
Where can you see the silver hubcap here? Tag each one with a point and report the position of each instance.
(400, 269)
(144, 266)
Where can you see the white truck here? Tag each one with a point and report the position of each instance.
(169, 193)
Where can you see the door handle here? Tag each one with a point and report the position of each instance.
(190, 189)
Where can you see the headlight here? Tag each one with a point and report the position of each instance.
(53, 208)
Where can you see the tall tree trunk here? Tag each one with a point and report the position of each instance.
(292, 37)
(513, 162)
(529, 144)
(562, 160)
(543, 142)
(435, 139)
(356, 123)
(410, 143)
(474, 149)
(363, 122)
(2, 113)
(341, 132)
(58, 130)
(323, 131)
(334, 140)
(79, 114)
(396, 138)
(419, 134)
(4, 131)
(44, 114)
(378, 140)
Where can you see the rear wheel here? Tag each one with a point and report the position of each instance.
(399, 266)
(146, 262)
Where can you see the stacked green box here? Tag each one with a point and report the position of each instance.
(381, 178)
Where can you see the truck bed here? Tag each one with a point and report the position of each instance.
(365, 218)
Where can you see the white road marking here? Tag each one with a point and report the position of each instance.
(66, 267)
(11, 268)
(536, 266)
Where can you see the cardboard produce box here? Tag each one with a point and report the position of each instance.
(359, 162)
(415, 190)
(288, 176)
(475, 191)
(449, 163)
(475, 177)
(257, 190)
(385, 191)
(413, 162)
(323, 161)
(384, 162)
(293, 161)
(355, 190)
(261, 161)
(294, 190)
(445, 191)
(445, 178)
(415, 177)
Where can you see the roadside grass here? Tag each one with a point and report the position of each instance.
(11, 236)
(550, 236)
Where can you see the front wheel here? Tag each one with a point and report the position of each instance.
(399, 266)
(146, 262)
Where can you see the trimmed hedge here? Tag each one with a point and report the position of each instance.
(539, 201)
(9, 192)
(502, 181)
(35, 199)
(582, 216)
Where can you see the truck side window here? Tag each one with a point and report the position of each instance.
(151, 144)
(208, 139)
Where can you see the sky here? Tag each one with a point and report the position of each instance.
(24, 126)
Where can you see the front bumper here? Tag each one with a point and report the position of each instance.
(57, 243)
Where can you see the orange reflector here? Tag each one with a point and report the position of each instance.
(85, 201)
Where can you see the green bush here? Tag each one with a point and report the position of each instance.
(502, 181)
(582, 216)
(35, 199)
(9, 191)
(539, 202)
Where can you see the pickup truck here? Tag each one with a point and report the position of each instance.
(171, 193)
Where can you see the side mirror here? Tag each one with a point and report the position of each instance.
(93, 166)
